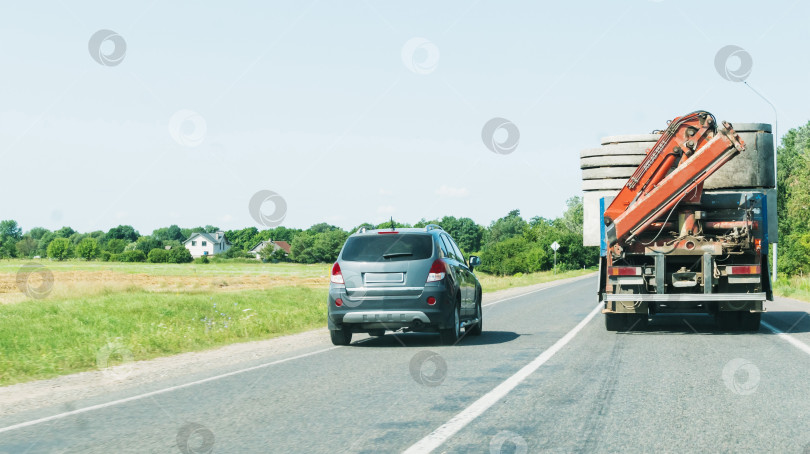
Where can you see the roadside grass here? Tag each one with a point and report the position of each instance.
(492, 283)
(797, 287)
(43, 339)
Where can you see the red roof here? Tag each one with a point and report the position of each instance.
(285, 246)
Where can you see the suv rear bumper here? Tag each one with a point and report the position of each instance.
(391, 312)
(386, 317)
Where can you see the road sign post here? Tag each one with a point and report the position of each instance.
(555, 245)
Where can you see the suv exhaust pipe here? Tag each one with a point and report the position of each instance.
(470, 323)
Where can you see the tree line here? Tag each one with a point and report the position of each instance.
(508, 245)
(793, 201)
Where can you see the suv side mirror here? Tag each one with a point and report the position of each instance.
(474, 261)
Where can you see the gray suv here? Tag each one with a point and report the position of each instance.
(403, 279)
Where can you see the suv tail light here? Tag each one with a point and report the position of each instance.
(437, 271)
(337, 276)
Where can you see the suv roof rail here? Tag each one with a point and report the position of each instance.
(430, 227)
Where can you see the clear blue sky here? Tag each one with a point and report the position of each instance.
(313, 100)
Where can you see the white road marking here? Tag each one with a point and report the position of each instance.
(154, 393)
(795, 342)
(458, 422)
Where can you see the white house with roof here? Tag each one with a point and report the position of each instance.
(201, 243)
(283, 245)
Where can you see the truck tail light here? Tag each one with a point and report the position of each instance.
(437, 271)
(337, 276)
(624, 271)
(744, 269)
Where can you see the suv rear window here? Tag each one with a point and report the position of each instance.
(387, 248)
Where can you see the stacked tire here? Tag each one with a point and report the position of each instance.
(606, 169)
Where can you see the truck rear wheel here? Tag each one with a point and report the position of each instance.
(637, 321)
(749, 321)
(626, 322)
(727, 320)
(614, 322)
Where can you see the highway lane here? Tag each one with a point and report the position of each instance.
(679, 386)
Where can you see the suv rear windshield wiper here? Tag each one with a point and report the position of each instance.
(397, 254)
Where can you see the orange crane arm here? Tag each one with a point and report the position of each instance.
(698, 146)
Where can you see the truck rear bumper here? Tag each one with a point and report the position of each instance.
(683, 303)
(691, 297)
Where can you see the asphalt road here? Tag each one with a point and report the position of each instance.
(544, 377)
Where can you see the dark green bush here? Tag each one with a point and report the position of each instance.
(180, 255)
(158, 255)
(132, 256)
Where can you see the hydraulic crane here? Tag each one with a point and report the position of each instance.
(672, 247)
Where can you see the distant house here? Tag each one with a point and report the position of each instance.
(201, 243)
(283, 245)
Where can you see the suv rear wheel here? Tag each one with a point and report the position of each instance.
(341, 336)
(478, 328)
(450, 336)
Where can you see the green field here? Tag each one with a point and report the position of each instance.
(215, 268)
(135, 311)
